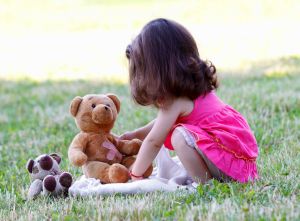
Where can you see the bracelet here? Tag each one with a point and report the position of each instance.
(135, 176)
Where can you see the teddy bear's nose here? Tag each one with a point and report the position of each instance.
(46, 162)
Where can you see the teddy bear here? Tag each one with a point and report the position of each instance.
(100, 154)
(46, 176)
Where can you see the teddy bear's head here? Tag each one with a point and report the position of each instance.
(43, 165)
(95, 112)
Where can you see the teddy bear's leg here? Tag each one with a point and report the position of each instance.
(65, 180)
(128, 162)
(35, 189)
(129, 147)
(148, 171)
(106, 173)
(97, 170)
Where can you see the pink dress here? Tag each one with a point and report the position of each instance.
(223, 135)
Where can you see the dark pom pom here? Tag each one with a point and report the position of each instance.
(65, 179)
(46, 162)
(50, 183)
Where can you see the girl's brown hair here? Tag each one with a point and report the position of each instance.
(164, 64)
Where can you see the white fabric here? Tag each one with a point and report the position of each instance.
(168, 175)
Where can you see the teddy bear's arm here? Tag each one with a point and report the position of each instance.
(76, 152)
(128, 147)
(35, 189)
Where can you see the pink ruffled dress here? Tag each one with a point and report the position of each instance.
(223, 136)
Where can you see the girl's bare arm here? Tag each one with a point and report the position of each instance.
(142, 132)
(156, 137)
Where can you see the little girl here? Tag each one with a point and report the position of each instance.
(211, 139)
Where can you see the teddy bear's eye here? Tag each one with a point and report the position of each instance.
(108, 105)
(93, 105)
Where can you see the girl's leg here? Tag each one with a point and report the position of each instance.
(190, 158)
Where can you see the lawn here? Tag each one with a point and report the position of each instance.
(34, 119)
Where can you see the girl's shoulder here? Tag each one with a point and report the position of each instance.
(184, 105)
(202, 107)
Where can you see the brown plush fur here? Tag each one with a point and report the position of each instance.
(95, 116)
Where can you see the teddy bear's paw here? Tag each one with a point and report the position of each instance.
(49, 183)
(135, 145)
(118, 173)
(79, 159)
(65, 180)
(137, 141)
(148, 172)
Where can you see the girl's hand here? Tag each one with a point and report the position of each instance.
(139, 133)
(128, 135)
(136, 179)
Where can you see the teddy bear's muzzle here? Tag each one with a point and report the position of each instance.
(46, 162)
(102, 114)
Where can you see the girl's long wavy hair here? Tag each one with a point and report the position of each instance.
(164, 64)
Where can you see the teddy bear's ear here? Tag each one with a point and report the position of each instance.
(56, 157)
(29, 165)
(75, 105)
(116, 101)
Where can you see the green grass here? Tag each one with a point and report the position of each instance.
(34, 119)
